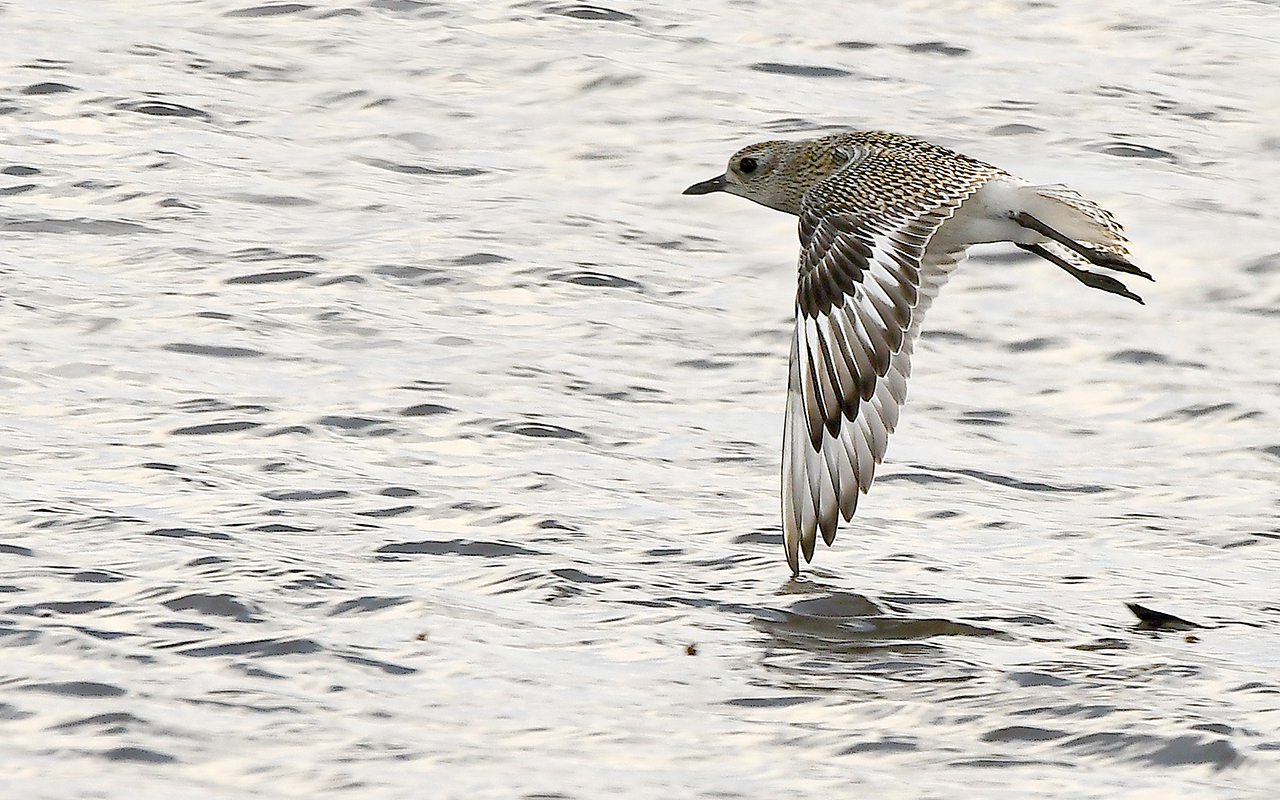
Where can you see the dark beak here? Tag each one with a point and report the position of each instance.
(716, 184)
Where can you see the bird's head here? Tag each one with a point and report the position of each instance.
(777, 173)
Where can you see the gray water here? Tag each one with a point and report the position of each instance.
(381, 422)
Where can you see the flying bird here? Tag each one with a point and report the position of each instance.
(884, 220)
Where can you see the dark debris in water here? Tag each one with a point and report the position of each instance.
(1152, 620)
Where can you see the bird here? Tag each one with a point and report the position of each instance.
(884, 219)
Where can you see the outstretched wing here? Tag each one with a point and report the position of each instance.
(867, 275)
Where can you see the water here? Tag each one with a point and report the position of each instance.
(381, 422)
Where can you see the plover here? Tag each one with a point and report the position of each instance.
(884, 220)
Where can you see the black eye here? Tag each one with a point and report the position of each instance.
(747, 165)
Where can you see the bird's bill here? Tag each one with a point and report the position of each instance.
(716, 184)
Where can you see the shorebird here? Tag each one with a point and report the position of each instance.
(884, 220)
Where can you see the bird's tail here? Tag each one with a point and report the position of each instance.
(1073, 233)
(1075, 216)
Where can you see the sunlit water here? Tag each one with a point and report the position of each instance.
(381, 422)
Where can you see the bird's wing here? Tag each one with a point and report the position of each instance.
(867, 275)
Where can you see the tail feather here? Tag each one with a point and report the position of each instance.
(1076, 223)
(1075, 216)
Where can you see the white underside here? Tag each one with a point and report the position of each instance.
(987, 216)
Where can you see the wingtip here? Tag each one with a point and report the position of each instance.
(793, 560)
(806, 547)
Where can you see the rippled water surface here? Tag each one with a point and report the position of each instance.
(381, 422)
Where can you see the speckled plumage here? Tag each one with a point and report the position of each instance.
(884, 219)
